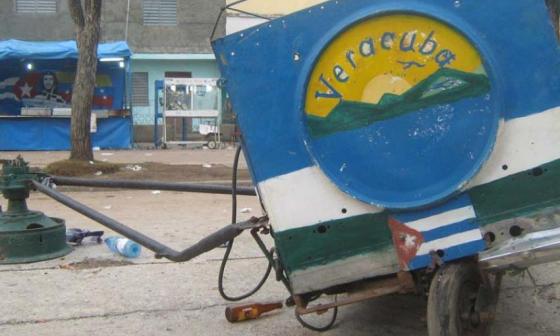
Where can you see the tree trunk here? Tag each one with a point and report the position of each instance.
(88, 33)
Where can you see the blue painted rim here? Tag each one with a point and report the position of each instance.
(412, 8)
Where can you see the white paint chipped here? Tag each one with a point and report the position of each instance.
(307, 197)
(345, 270)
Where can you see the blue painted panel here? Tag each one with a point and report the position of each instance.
(267, 84)
(412, 160)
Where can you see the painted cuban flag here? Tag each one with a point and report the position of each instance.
(451, 230)
(6, 88)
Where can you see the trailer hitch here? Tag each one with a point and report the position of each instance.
(208, 243)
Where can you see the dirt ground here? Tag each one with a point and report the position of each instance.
(169, 156)
(92, 291)
(168, 172)
(174, 165)
(150, 171)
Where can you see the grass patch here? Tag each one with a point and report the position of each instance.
(80, 168)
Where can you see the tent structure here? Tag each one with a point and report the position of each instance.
(16, 49)
(36, 80)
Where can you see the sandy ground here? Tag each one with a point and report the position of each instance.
(153, 297)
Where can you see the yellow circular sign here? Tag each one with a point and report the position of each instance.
(384, 57)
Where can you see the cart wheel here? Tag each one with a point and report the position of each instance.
(212, 144)
(452, 302)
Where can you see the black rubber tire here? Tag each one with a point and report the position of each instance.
(452, 296)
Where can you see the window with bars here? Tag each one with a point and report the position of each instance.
(140, 89)
(160, 12)
(35, 6)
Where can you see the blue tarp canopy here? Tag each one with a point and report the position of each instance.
(13, 49)
(48, 133)
(26, 87)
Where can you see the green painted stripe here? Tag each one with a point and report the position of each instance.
(517, 195)
(330, 241)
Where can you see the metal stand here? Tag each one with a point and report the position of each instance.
(25, 235)
(183, 98)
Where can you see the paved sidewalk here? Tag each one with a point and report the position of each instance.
(155, 297)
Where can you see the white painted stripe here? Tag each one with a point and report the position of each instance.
(345, 270)
(449, 241)
(442, 219)
(522, 143)
(11, 81)
(307, 197)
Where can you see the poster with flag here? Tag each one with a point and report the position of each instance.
(51, 89)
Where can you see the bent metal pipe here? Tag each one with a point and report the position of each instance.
(162, 251)
(153, 185)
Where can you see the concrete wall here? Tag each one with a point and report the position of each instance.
(195, 20)
(57, 26)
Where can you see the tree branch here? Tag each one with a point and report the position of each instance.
(76, 12)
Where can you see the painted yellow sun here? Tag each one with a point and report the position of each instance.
(381, 85)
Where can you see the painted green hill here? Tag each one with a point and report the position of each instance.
(443, 86)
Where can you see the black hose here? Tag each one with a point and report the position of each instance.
(269, 268)
(230, 243)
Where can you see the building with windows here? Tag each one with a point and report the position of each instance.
(168, 38)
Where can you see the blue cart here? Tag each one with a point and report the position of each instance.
(404, 146)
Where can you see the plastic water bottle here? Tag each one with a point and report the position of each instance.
(123, 246)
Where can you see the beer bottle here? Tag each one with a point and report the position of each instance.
(250, 311)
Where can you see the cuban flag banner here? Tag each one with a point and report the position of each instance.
(451, 231)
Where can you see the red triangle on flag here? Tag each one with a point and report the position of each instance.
(407, 241)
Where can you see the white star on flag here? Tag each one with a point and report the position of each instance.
(26, 90)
